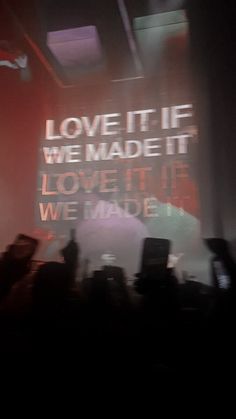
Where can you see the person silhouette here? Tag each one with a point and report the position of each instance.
(70, 254)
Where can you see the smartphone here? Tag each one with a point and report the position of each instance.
(221, 276)
(155, 256)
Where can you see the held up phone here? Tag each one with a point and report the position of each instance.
(155, 256)
(221, 276)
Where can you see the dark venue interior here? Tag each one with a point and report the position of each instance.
(117, 174)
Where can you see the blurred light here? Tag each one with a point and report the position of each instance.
(76, 49)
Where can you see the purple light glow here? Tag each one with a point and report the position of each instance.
(76, 47)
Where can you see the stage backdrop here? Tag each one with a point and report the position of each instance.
(117, 157)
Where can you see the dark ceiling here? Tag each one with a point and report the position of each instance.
(34, 19)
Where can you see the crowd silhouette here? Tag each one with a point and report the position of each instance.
(156, 326)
